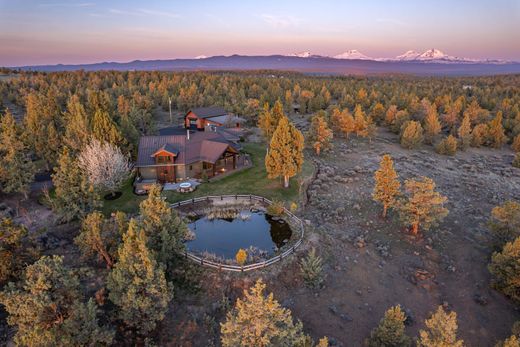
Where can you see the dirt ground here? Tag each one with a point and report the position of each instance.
(372, 263)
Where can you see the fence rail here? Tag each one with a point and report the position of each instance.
(294, 221)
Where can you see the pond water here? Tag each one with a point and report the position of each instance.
(224, 237)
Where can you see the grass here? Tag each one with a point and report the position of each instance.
(249, 181)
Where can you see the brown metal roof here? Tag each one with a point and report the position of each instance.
(202, 146)
(207, 112)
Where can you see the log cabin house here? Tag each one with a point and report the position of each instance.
(210, 117)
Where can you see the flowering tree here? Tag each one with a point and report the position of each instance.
(105, 165)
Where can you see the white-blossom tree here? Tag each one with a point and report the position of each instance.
(106, 167)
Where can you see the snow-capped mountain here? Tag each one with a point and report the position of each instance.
(352, 54)
(200, 57)
(435, 54)
(408, 55)
(305, 54)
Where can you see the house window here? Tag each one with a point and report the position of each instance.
(163, 159)
(191, 167)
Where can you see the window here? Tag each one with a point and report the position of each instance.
(191, 167)
(163, 159)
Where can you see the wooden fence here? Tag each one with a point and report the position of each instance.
(293, 221)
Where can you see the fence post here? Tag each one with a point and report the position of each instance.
(186, 254)
(201, 261)
(221, 198)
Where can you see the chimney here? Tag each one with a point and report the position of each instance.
(187, 134)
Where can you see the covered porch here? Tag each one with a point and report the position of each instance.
(225, 164)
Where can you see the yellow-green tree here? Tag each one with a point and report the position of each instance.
(259, 320)
(511, 341)
(390, 331)
(423, 206)
(360, 122)
(411, 134)
(496, 132)
(265, 119)
(387, 185)
(320, 134)
(479, 135)
(505, 268)
(448, 146)
(441, 330)
(432, 125)
(285, 155)
(464, 133)
(505, 222)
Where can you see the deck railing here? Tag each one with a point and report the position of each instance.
(293, 221)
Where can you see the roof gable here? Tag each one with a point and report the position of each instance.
(208, 112)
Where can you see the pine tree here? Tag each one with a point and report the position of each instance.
(496, 131)
(319, 134)
(264, 121)
(464, 133)
(16, 168)
(390, 331)
(260, 321)
(311, 268)
(137, 284)
(74, 196)
(360, 122)
(47, 308)
(423, 206)
(378, 113)
(285, 155)
(511, 341)
(163, 226)
(479, 135)
(411, 134)
(441, 331)
(77, 128)
(505, 268)
(387, 185)
(515, 146)
(99, 237)
(105, 130)
(432, 125)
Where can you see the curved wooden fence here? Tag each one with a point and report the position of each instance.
(295, 223)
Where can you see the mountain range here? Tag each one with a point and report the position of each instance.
(432, 62)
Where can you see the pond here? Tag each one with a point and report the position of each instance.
(225, 236)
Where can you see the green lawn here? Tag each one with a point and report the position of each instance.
(249, 181)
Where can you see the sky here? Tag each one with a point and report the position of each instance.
(88, 31)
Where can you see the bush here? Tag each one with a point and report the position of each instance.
(505, 222)
(505, 268)
(412, 134)
(448, 146)
(311, 269)
(241, 256)
(390, 331)
(516, 161)
(276, 208)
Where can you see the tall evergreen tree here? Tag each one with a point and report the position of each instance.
(464, 133)
(260, 321)
(285, 155)
(432, 125)
(441, 330)
(320, 134)
(48, 309)
(387, 185)
(505, 268)
(496, 132)
(390, 331)
(74, 196)
(16, 168)
(411, 134)
(137, 284)
(264, 121)
(105, 130)
(77, 125)
(360, 122)
(163, 226)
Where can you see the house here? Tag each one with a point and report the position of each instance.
(210, 117)
(177, 154)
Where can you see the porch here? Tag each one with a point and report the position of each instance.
(224, 166)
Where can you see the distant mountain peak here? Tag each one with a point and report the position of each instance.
(201, 57)
(305, 54)
(352, 54)
(408, 55)
(433, 54)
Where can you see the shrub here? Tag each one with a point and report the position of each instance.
(441, 330)
(311, 269)
(411, 134)
(505, 222)
(479, 135)
(516, 161)
(241, 256)
(505, 267)
(276, 208)
(390, 331)
(448, 146)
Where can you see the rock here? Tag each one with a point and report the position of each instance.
(288, 302)
(333, 309)
(356, 207)
(346, 317)
(480, 299)
(359, 292)
(360, 242)
(409, 320)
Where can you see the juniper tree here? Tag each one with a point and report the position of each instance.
(77, 125)
(432, 125)
(505, 268)
(390, 331)
(505, 222)
(259, 320)
(100, 237)
(285, 155)
(163, 226)
(411, 134)
(447, 146)
(422, 206)
(360, 122)
(74, 196)
(464, 133)
(14, 252)
(441, 330)
(320, 135)
(47, 308)
(16, 168)
(479, 135)
(378, 112)
(105, 130)
(496, 131)
(264, 121)
(511, 341)
(311, 268)
(386, 189)
(515, 146)
(137, 284)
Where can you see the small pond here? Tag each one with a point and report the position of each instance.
(225, 236)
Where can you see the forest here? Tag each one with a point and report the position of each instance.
(121, 277)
